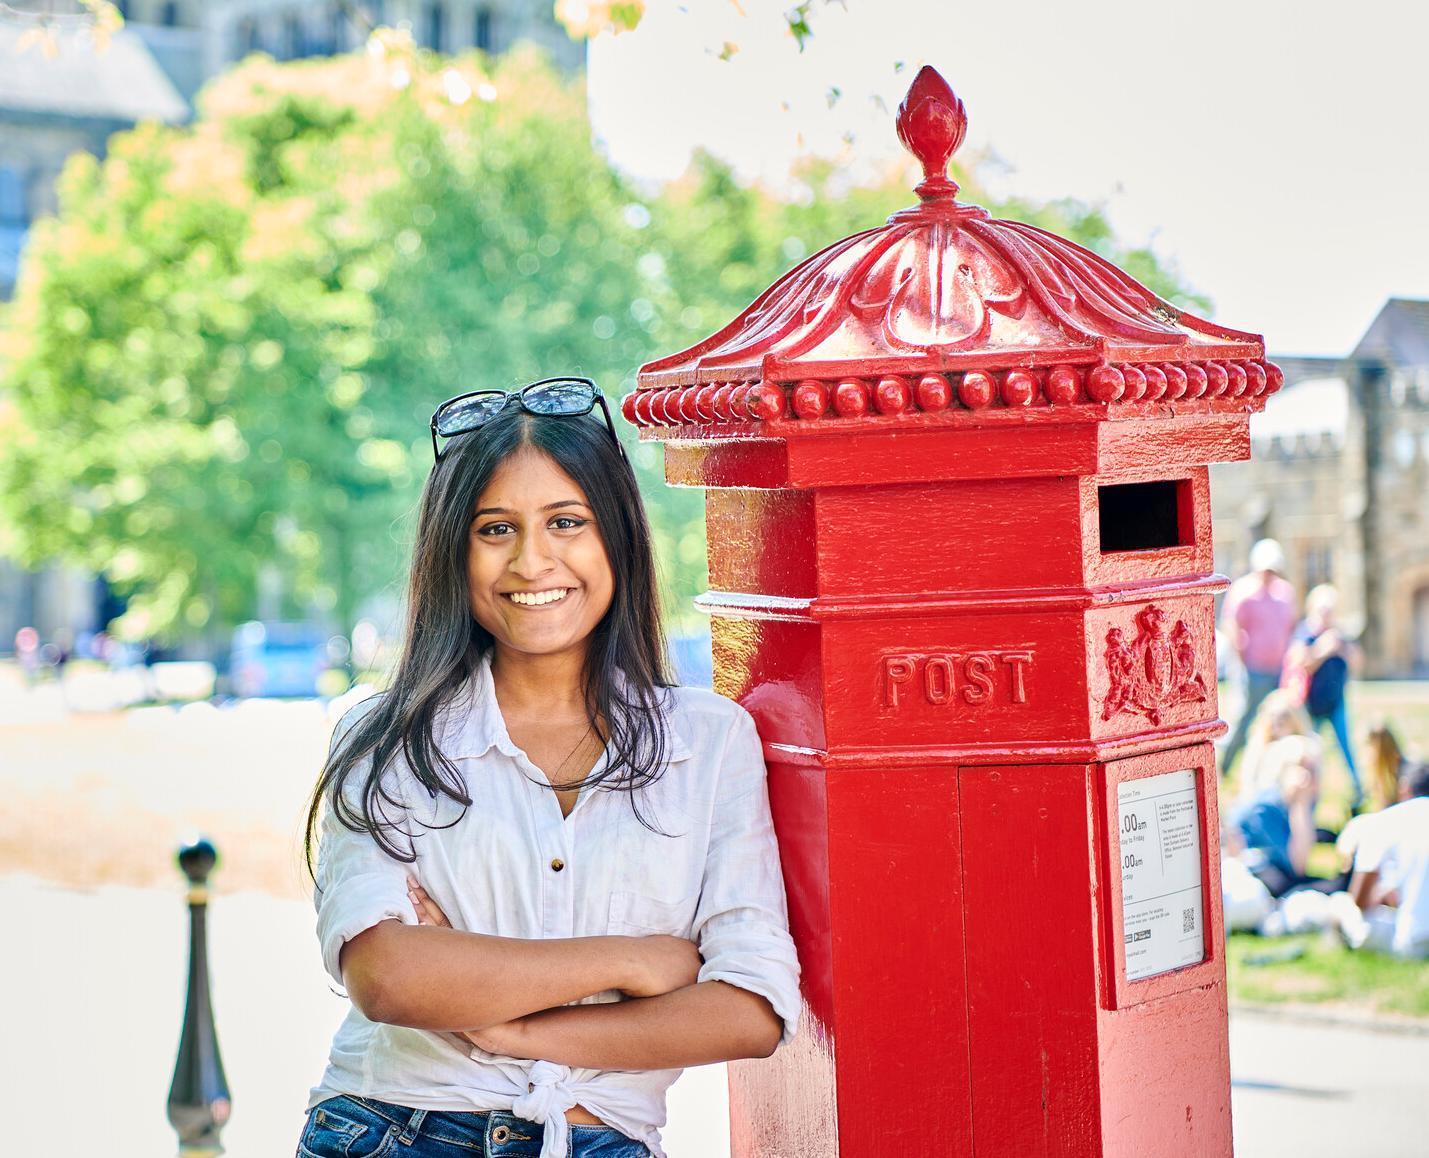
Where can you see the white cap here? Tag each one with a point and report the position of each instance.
(1267, 555)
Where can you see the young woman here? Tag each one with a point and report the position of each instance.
(1319, 664)
(546, 877)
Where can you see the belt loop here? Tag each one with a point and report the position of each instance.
(412, 1128)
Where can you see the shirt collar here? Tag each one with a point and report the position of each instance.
(472, 724)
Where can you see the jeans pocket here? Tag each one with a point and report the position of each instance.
(342, 1128)
(604, 1142)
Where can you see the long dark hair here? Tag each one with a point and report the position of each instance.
(444, 643)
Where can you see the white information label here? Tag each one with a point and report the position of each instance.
(1159, 826)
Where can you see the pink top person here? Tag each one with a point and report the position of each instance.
(1260, 611)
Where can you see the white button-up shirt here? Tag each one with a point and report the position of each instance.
(716, 880)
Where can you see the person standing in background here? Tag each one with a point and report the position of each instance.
(1319, 662)
(1258, 618)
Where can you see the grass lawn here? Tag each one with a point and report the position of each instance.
(1319, 971)
(1324, 973)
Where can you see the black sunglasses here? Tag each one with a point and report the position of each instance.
(552, 397)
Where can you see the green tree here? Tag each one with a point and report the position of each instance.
(216, 375)
(223, 352)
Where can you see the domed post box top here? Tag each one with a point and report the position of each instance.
(947, 316)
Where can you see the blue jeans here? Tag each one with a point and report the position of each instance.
(1338, 719)
(351, 1127)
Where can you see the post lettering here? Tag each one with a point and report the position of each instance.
(949, 679)
(1017, 663)
(977, 668)
(937, 679)
(897, 672)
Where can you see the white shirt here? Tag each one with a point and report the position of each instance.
(1395, 843)
(716, 881)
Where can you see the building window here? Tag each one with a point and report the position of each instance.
(292, 37)
(13, 211)
(336, 29)
(246, 38)
(437, 27)
(169, 15)
(1319, 560)
(481, 34)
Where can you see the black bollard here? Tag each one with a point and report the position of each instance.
(198, 1098)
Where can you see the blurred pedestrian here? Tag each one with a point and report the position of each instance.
(27, 651)
(1318, 667)
(1388, 904)
(1259, 617)
(1386, 762)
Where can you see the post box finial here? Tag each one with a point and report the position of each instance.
(932, 123)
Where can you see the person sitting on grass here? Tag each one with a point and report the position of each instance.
(1280, 716)
(1388, 851)
(1386, 762)
(1273, 826)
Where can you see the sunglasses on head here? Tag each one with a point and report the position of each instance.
(550, 397)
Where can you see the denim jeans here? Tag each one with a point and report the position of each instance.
(1338, 719)
(351, 1127)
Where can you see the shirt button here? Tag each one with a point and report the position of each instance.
(557, 865)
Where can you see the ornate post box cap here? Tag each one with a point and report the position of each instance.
(947, 316)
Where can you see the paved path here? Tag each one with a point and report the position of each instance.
(95, 981)
(1327, 1091)
(94, 985)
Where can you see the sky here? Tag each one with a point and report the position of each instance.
(1277, 153)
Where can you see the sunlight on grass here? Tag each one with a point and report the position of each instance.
(1325, 973)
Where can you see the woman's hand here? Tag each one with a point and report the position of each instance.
(661, 965)
(658, 964)
(503, 1039)
(428, 912)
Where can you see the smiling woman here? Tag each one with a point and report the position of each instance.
(536, 547)
(546, 875)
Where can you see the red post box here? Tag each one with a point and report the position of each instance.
(961, 572)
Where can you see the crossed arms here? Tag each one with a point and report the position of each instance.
(509, 995)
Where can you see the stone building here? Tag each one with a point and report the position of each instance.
(51, 107)
(196, 39)
(1339, 474)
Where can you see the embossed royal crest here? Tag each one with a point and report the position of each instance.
(1152, 672)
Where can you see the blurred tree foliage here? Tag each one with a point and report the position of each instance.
(216, 375)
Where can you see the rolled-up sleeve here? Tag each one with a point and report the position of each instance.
(742, 923)
(357, 885)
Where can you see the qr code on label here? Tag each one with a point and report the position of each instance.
(1188, 919)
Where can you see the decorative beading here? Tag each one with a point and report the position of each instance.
(946, 310)
(1154, 384)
